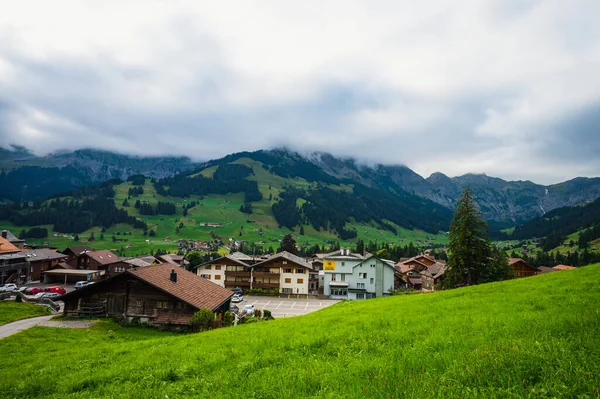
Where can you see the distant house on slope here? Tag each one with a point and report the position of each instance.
(157, 295)
(520, 268)
(563, 267)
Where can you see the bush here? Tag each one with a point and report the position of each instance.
(202, 320)
(18, 298)
(258, 313)
(228, 319)
(267, 315)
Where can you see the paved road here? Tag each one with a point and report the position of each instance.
(20, 325)
(287, 307)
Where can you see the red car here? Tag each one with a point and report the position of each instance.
(33, 290)
(56, 288)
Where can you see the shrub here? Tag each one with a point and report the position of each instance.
(267, 315)
(202, 320)
(258, 313)
(18, 298)
(228, 319)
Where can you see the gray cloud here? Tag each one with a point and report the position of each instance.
(509, 88)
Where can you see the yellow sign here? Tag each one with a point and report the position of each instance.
(329, 265)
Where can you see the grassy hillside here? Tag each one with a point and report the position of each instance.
(223, 209)
(12, 311)
(533, 337)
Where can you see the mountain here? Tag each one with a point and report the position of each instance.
(26, 177)
(503, 203)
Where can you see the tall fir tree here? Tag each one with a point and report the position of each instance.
(469, 247)
(288, 244)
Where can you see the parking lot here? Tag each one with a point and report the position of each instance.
(286, 307)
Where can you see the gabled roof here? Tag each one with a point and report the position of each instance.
(11, 237)
(104, 257)
(240, 256)
(436, 270)
(513, 261)
(6, 247)
(78, 249)
(190, 288)
(136, 262)
(287, 256)
(546, 269)
(228, 257)
(43, 254)
(338, 253)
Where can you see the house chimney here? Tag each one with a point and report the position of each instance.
(173, 276)
(4, 234)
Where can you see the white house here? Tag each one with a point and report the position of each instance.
(353, 276)
(216, 271)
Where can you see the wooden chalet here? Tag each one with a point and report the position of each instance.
(563, 267)
(157, 295)
(14, 240)
(520, 268)
(74, 253)
(227, 271)
(42, 259)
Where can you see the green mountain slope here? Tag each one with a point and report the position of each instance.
(260, 228)
(532, 337)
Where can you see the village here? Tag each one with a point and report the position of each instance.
(166, 291)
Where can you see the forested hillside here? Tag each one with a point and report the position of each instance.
(559, 223)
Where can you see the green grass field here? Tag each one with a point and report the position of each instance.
(12, 311)
(537, 337)
(222, 209)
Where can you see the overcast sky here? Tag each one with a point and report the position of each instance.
(506, 87)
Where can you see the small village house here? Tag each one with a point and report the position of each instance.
(520, 268)
(157, 295)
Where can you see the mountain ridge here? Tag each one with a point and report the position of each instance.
(506, 202)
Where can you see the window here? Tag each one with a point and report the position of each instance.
(162, 304)
(372, 280)
(360, 285)
(139, 304)
(208, 267)
(343, 276)
(288, 270)
(286, 290)
(373, 265)
(339, 291)
(205, 276)
(360, 296)
(343, 263)
(180, 305)
(288, 280)
(300, 271)
(217, 276)
(300, 281)
(285, 262)
(217, 267)
(333, 277)
(362, 275)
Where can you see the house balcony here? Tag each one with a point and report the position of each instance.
(265, 274)
(238, 274)
(232, 283)
(15, 266)
(258, 284)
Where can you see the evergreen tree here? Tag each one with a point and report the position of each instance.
(288, 244)
(469, 245)
(301, 230)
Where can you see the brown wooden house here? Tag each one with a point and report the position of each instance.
(520, 268)
(157, 295)
(42, 259)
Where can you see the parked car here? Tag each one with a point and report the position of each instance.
(33, 290)
(237, 298)
(8, 288)
(48, 295)
(21, 289)
(249, 309)
(56, 288)
(238, 290)
(81, 284)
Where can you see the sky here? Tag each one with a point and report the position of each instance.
(510, 88)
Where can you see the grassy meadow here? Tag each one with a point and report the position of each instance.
(537, 337)
(13, 311)
(222, 209)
